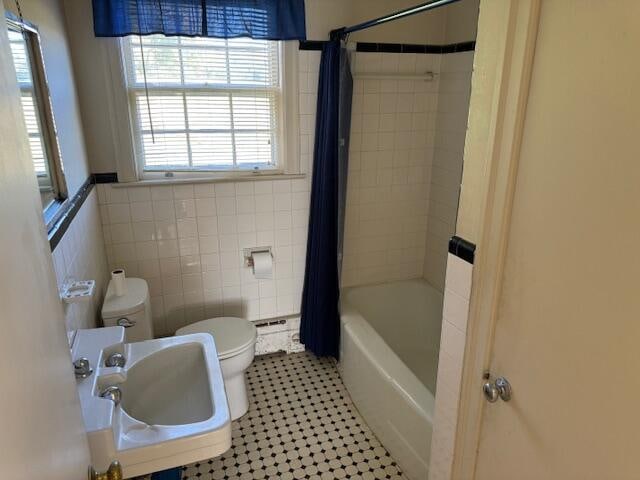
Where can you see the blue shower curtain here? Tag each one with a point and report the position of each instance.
(320, 316)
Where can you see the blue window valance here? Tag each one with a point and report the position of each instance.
(259, 19)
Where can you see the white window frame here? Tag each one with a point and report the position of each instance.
(131, 168)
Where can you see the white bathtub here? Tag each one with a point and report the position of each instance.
(388, 361)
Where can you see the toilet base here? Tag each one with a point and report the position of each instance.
(237, 396)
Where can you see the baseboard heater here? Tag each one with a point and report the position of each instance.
(269, 323)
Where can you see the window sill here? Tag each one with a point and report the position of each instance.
(227, 179)
(54, 212)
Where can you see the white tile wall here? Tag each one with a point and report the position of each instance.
(187, 240)
(452, 342)
(446, 171)
(447, 272)
(309, 69)
(391, 148)
(80, 255)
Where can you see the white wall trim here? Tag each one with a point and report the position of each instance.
(124, 142)
(290, 130)
(119, 115)
(225, 178)
(506, 44)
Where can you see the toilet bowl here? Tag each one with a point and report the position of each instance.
(236, 344)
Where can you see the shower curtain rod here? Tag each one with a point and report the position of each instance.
(341, 32)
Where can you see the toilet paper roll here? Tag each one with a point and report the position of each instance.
(262, 265)
(119, 285)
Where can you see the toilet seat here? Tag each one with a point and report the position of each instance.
(232, 335)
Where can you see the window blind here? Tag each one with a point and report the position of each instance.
(208, 104)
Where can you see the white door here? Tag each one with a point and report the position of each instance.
(567, 334)
(41, 430)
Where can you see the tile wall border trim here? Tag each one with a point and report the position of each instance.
(71, 209)
(311, 45)
(110, 177)
(462, 248)
(316, 45)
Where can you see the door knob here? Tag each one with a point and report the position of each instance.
(113, 473)
(501, 388)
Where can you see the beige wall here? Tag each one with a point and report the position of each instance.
(325, 15)
(482, 110)
(461, 22)
(92, 66)
(421, 28)
(42, 431)
(451, 24)
(48, 17)
(103, 120)
(80, 255)
(93, 70)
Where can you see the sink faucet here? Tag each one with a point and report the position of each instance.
(82, 368)
(112, 393)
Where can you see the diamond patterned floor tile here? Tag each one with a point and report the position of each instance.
(301, 425)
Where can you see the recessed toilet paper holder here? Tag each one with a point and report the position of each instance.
(248, 254)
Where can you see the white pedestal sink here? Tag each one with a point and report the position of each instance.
(173, 408)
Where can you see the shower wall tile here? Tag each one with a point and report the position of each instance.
(457, 294)
(80, 255)
(446, 171)
(186, 240)
(391, 151)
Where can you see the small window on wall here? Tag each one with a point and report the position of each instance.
(38, 116)
(204, 104)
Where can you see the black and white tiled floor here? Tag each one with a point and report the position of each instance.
(301, 425)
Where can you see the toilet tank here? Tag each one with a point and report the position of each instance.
(131, 310)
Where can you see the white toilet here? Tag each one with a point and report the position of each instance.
(235, 338)
(236, 343)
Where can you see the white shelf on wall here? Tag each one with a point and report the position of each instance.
(426, 77)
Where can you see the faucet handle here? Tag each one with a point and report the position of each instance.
(115, 360)
(112, 393)
(82, 368)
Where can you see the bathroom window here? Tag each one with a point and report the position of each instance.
(24, 42)
(204, 104)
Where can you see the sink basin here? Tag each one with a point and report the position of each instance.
(173, 408)
(169, 387)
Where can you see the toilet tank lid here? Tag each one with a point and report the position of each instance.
(136, 294)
